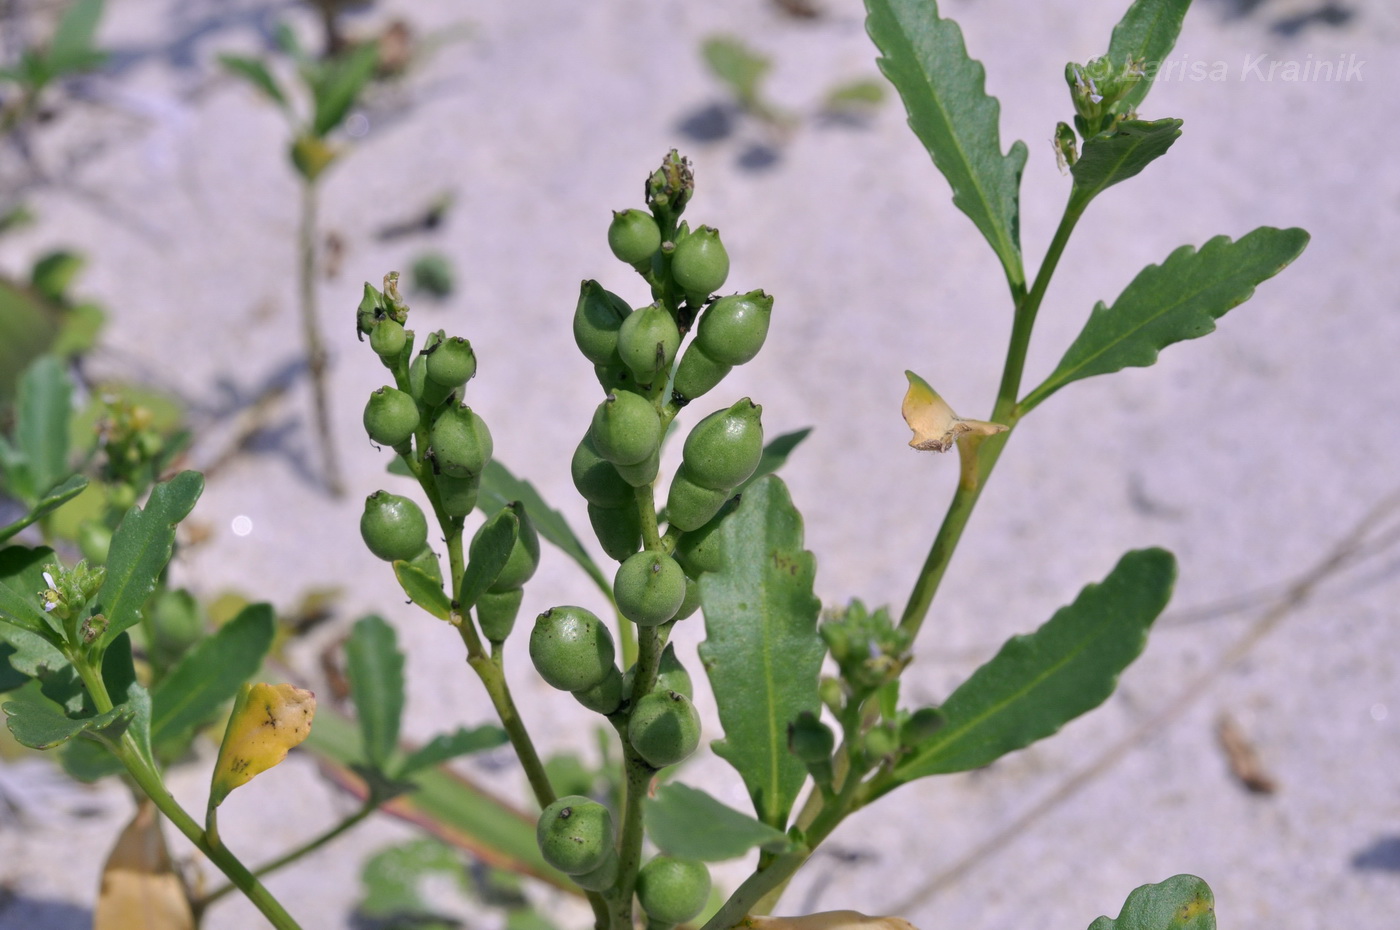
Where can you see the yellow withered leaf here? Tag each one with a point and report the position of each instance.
(140, 888)
(267, 721)
(828, 920)
(936, 427)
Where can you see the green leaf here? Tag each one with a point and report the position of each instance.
(447, 746)
(41, 725)
(28, 324)
(53, 274)
(1146, 33)
(88, 759)
(449, 806)
(255, 72)
(41, 430)
(208, 677)
(374, 665)
(56, 497)
(1038, 683)
(1120, 153)
(340, 84)
(687, 822)
(736, 65)
(949, 110)
(490, 551)
(499, 487)
(1182, 902)
(762, 651)
(423, 590)
(21, 580)
(775, 455)
(392, 878)
(72, 48)
(10, 677)
(141, 548)
(1177, 300)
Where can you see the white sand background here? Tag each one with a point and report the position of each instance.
(1250, 454)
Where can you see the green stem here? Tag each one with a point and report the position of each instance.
(288, 858)
(1004, 412)
(316, 357)
(639, 777)
(147, 778)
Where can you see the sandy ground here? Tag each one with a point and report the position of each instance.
(1251, 454)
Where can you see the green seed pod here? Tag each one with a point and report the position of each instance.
(597, 318)
(626, 429)
(881, 742)
(575, 834)
(664, 728)
(692, 599)
(649, 588)
(496, 612)
(619, 529)
(615, 376)
(393, 527)
(390, 417)
(673, 891)
(697, 551)
(458, 495)
(732, 329)
(643, 473)
(596, 479)
(670, 675)
(418, 376)
(810, 740)
(697, 373)
(633, 236)
(451, 363)
(689, 506)
(606, 696)
(723, 449)
(700, 264)
(571, 648)
(601, 878)
(460, 442)
(524, 556)
(648, 341)
(387, 338)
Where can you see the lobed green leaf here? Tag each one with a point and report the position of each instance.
(1146, 33)
(374, 666)
(209, 676)
(1038, 683)
(689, 823)
(1182, 902)
(21, 581)
(1119, 154)
(943, 90)
(42, 725)
(762, 651)
(1177, 300)
(141, 548)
